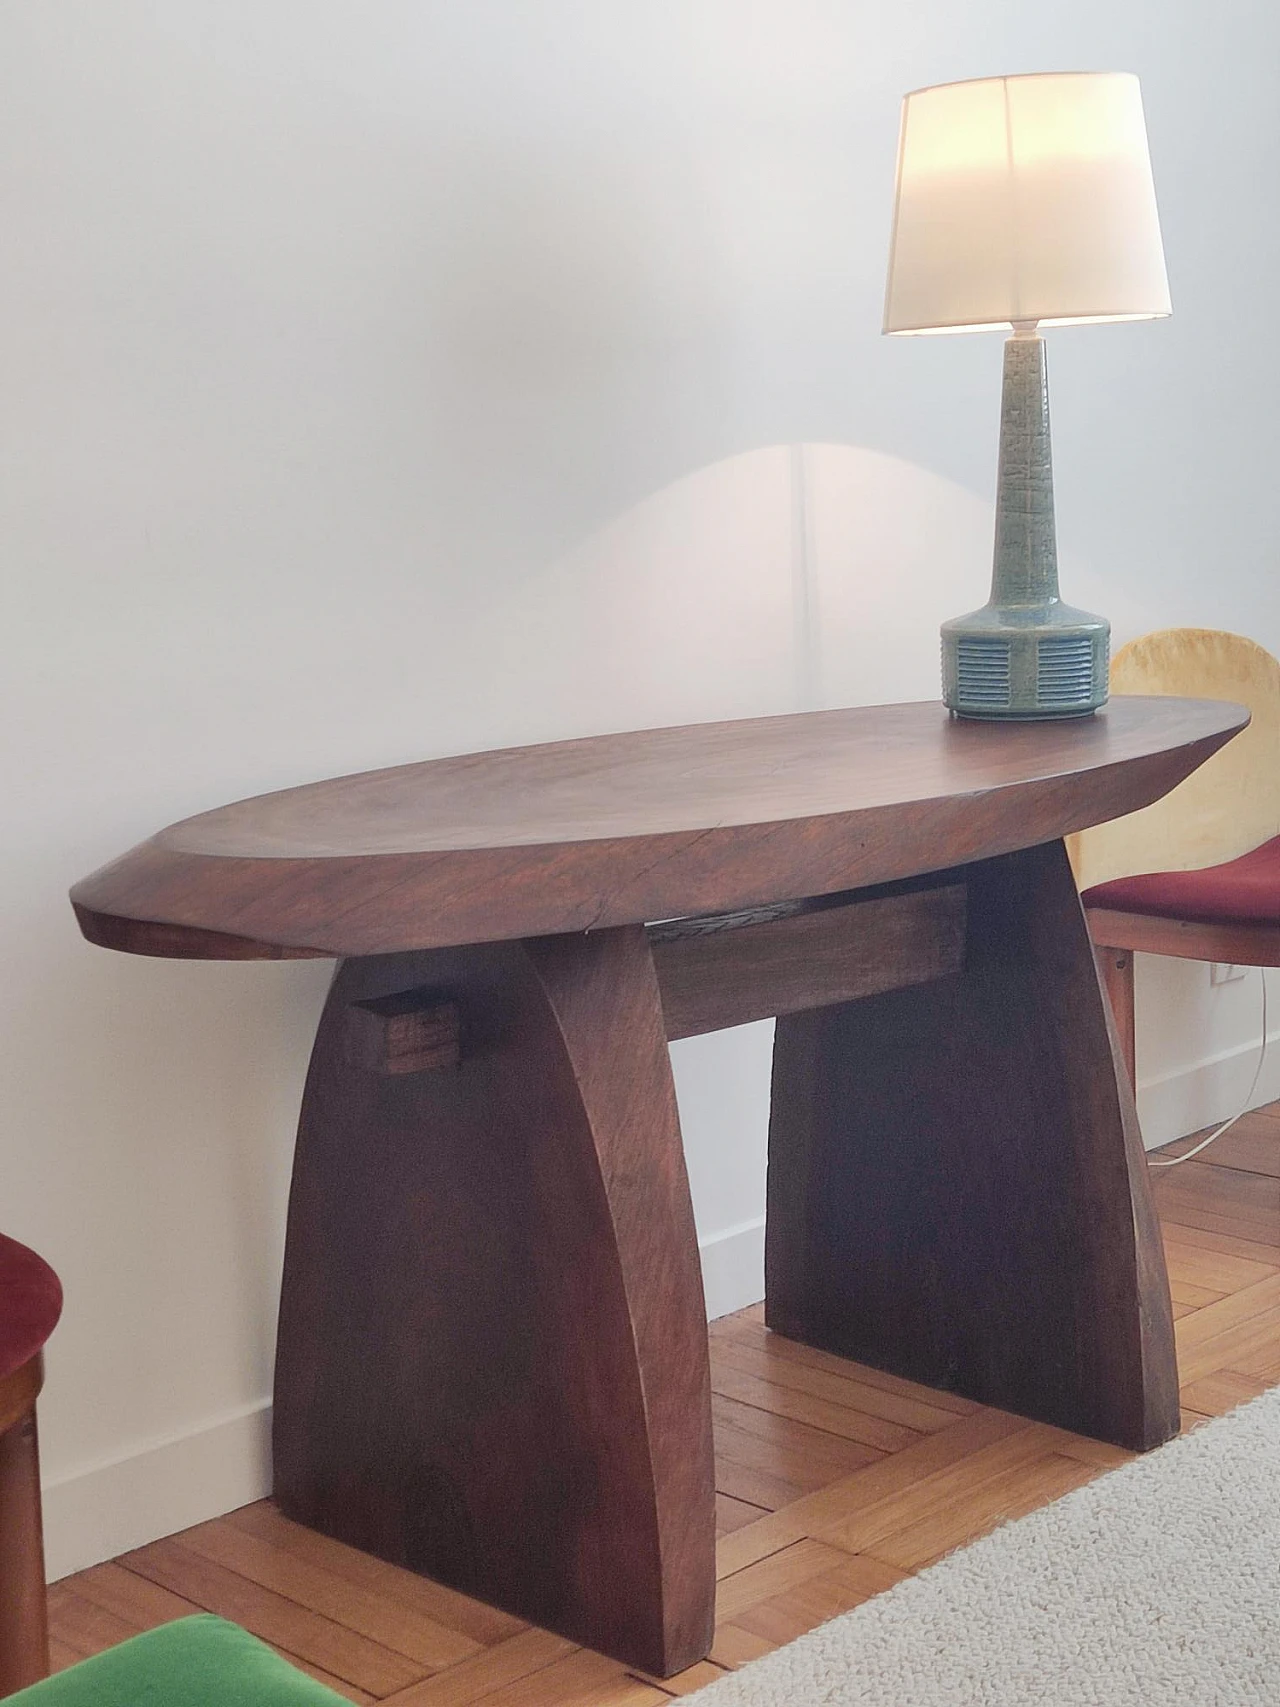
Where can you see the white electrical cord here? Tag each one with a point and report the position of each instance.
(1226, 1126)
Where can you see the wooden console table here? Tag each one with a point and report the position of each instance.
(492, 1361)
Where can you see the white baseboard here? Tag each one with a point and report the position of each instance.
(95, 1513)
(1212, 1090)
(733, 1268)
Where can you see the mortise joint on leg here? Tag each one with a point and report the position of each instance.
(415, 1031)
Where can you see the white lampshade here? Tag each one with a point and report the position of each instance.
(1024, 199)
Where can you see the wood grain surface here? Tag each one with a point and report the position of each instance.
(491, 1364)
(1119, 936)
(629, 828)
(950, 1472)
(956, 1184)
(492, 1359)
(1243, 943)
(1115, 969)
(30, 1304)
(24, 1638)
(722, 971)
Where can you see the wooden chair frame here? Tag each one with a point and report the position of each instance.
(1231, 806)
(1117, 937)
(24, 1636)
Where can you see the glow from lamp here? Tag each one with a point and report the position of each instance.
(1024, 202)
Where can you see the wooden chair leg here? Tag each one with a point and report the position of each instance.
(1115, 968)
(24, 1638)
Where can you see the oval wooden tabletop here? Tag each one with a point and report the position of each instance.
(618, 829)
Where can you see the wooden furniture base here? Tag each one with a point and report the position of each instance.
(493, 1350)
(957, 1187)
(1117, 937)
(478, 1376)
(30, 1304)
(24, 1639)
(492, 1359)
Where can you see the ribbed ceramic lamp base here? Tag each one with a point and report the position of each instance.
(1053, 668)
(1025, 654)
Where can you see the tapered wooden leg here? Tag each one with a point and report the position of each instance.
(957, 1188)
(1115, 968)
(492, 1361)
(24, 1638)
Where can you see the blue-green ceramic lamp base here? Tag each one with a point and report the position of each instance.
(1020, 663)
(1025, 654)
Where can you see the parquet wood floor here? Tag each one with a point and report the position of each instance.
(834, 1482)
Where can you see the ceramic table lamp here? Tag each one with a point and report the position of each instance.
(1024, 202)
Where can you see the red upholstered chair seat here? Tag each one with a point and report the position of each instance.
(1243, 891)
(30, 1304)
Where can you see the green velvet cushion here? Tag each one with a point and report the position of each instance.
(195, 1662)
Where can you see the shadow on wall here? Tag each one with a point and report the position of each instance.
(781, 579)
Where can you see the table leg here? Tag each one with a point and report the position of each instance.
(24, 1640)
(957, 1187)
(492, 1362)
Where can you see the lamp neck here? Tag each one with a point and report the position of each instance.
(1025, 569)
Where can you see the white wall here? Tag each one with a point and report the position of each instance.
(386, 378)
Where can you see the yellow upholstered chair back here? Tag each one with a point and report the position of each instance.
(1232, 803)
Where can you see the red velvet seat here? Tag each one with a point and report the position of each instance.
(30, 1304)
(1227, 909)
(1243, 891)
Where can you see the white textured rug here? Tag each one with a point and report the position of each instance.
(1158, 1585)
